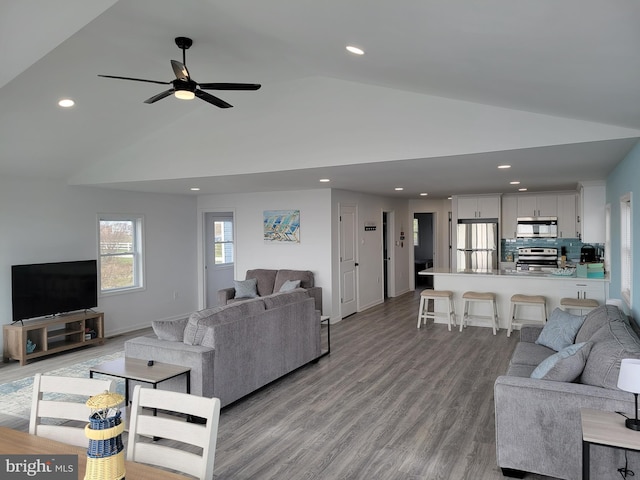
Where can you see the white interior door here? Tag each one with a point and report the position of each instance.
(348, 263)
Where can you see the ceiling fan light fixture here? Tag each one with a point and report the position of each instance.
(184, 94)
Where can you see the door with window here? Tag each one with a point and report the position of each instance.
(219, 254)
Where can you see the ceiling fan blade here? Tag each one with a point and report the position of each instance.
(180, 70)
(229, 86)
(159, 96)
(211, 99)
(135, 79)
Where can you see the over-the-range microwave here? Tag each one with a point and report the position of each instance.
(537, 227)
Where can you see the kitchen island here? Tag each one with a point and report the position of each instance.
(505, 283)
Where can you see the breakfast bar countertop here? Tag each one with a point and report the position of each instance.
(512, 273)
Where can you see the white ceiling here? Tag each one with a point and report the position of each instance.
(446, 91)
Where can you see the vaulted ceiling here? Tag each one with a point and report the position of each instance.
(446, 91)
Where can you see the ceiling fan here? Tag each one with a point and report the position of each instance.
(184, 87)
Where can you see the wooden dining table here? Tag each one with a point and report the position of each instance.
(22, 443)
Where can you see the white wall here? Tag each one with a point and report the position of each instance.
(369, 255)
(49, 221)
(312, 253)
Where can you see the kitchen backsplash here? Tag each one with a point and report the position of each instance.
(572, 245)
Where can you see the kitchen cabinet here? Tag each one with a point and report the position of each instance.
(593, 200)
(509, 216)
(538, 205)
(568, 216)
(583, 289)
(482, 206)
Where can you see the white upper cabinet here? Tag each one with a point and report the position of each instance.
(543, 205)
(481, 206)
(568, 216)
(509, 216)
(593, 200)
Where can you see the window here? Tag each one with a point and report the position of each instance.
(121, 258)
(223, 241)
(416, 233)
(626, 249)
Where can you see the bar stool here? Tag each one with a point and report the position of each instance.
(480, 297)
(519, 300)
(581, 304)
(424, 314)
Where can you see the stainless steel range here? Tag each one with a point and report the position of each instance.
(537, 259)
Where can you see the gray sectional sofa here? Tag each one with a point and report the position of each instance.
(269, 282)
(538, 426)
(235, 349)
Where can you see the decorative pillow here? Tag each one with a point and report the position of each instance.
(560, 330)
(289, 285)
(246, 288)
(564, 366)
(172, 330)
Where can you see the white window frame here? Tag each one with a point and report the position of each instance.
(224, 242)
(416, 232)
(626, 248)
(137, 252)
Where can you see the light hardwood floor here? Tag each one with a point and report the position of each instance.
(390, 402)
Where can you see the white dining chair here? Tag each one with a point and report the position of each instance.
(145, 429)
(58, 406)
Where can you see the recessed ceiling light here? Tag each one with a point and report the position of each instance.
(449, 198)
(66, 103)
(522, 189)
(504, 166)
(399, 189)
(325, 180)
(195, 189)
(354, 50)
(424, 194)
(515, 182)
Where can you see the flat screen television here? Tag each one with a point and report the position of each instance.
(43, 289)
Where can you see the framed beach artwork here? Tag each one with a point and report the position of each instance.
(282, 226)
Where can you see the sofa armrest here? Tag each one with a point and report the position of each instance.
(198, 358)
(530, 333)
(225, 295)
(539, 430)
(316, 294)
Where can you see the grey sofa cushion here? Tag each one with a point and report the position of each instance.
(245, 288)
(595, 319)
(560, 330)
(285, 298)
(305, 277)
(172, 330)
(611, 343)
(531, 354)
(289, 285)
(564, 366)
(199, 321)
(265, 279)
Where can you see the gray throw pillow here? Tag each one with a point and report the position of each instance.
(171, 330)
(246, 288)
(560, 330)
(289, 285)
(564, 366)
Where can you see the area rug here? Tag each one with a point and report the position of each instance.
(16, 396)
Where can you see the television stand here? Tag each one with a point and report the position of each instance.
(52, 335)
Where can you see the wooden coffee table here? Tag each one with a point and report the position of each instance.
(140, 371)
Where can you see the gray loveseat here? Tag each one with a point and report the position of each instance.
(538, 426)
(271, 281)
(235, 349)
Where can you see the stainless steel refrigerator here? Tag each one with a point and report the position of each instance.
(477, 245)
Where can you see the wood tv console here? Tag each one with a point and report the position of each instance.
(52, 335)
